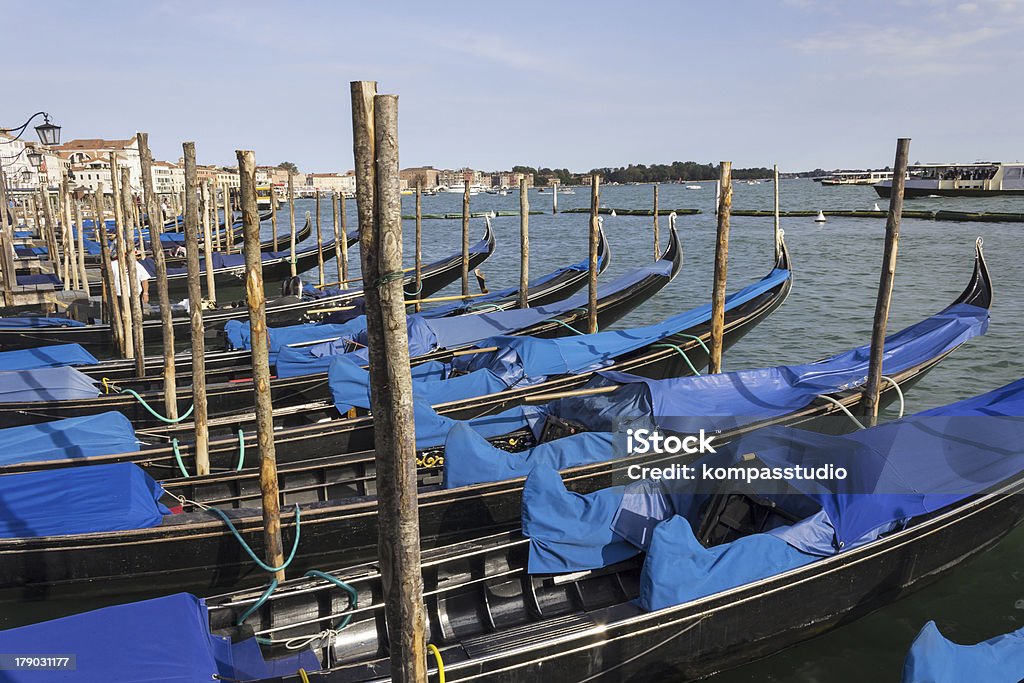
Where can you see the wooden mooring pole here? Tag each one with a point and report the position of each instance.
(261, 362)
(657, 240)
(885, 282)
(339, 235)
(163, 297)
(121, 260)
(273, 213)
(344, 238)
(195, 312)
(778, 223)
(134, 286)
(375, 133)
(721, 267)
(229, 219)
(524, 245)
(419, 245)
(595, 229)
(6, 245)
(291, 219)
(209, 225)
(465, 238)
(319, 243)
(107, 275)
(554, 197)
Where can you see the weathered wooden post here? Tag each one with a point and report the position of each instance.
(375, 133)
(554, 196)
(51, 227)
(195, 312)
(595, 228)
(721, 266)
(778, 224)
(524, 245)
(121, 260)
(211, 208)
(419, 244)
(339, 235)
(260, 361)
(657, 240)
(134, 286)
(6, 245)
(107, 276)
(209, 201)
(80, 265)
(273, 213)
(465, 237)
(156, 229)
(291, 219)
(70, 262)
(885, 282)
(319, 243)
(344, 241)
(229, 219)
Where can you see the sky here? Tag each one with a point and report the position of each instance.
(800, 83)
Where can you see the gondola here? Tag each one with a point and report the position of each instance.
(234, 395)
(194, 551)
(97, 338)
(493, 619)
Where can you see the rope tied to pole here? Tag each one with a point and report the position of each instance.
(389, 277)
(155, 414)
(184, 470)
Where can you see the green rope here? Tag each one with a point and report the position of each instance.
(696, 339)
(390, 277)
(241, 450)
(353, 596)
(899, 392)
(177, 456)
(259, 603)
(682, 353)
(245, 546)
(483, 307)
(843, 408)
(565, 324)
(156, 414)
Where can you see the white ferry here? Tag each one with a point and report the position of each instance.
(980, 179)
(857, 178)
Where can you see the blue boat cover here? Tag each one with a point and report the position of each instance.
(685, 404)
(896, 471)
(678, 568)
(165, 639)
(46, 357)
(934, 659)
(237, 260)
(61, 383)
(79, 500)
(74, 437)
(427, 334)
(38, 279)
(39, 321)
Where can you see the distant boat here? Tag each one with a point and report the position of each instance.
(857, 178)
(694, 187)
(982, 179)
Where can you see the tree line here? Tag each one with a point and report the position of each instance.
(677, 171)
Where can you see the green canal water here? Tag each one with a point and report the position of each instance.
(836, 267)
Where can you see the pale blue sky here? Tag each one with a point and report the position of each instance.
(803, 83)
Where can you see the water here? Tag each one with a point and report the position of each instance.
(836, 267)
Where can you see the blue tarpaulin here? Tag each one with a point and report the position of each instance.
(687, 404)
(46, 384)
(46, 357)
(165, 639)
(74, 437)
(39, 321)
(79, 500)
(934, 659)
(429, 334)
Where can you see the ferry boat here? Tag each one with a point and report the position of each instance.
(980, 179)
(857, 178)
(263, 197)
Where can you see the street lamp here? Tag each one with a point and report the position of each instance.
(49, 133)
(35, 158)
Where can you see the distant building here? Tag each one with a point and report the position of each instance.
(85, 151)
(228, 176)
(168, 178)
(331, 182)
(510, 179)
(427, 176)
(18, 170)
(459, 177)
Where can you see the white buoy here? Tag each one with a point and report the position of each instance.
(613, 214)
(876, 207)
(821, 217)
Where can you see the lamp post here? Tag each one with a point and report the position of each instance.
(49, 133)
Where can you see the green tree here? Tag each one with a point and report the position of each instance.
(288, 166)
